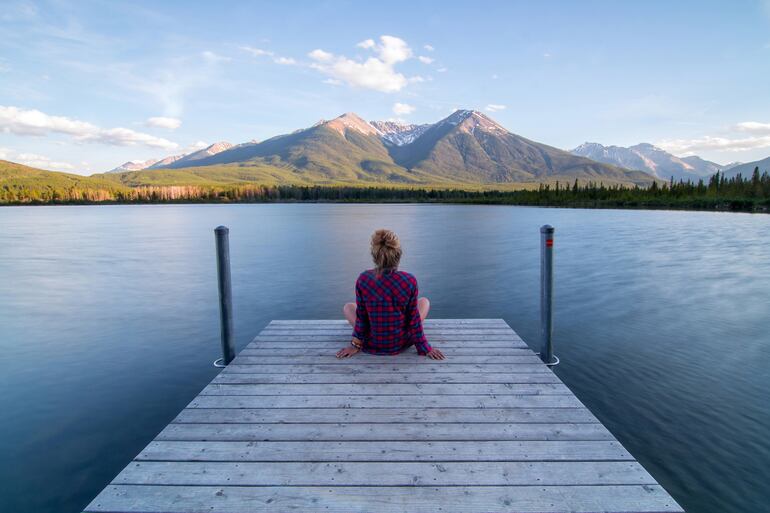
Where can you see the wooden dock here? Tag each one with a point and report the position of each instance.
(287, 426)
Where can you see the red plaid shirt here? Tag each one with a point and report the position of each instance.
(387, 319)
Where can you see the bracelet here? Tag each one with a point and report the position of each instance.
(357, 345)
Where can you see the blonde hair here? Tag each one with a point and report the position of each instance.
(386, 250)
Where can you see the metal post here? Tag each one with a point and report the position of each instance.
(546, 293)
(222, 235)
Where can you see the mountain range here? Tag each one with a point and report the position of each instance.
(747, 169)
(185, 158)
(466, 147)
(650, 159)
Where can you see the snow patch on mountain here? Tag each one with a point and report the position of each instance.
(399, 134)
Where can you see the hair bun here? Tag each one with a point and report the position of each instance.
(386, 238)
(386, 249)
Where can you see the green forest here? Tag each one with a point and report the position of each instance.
(737, 193)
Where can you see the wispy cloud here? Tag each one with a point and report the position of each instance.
(34, 160)
(711, 143)
(494, 107)
(428, 48)
(376, 72)
(36, 123)
(214, 58)
(402, 109)
(285, 61)
(256, 52)
(759, 138)
(259, 52)
(425, 60)
(753, 127)
(164, 122)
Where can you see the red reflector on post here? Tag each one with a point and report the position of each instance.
(549, 243)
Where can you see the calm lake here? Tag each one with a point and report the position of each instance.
(109, 324)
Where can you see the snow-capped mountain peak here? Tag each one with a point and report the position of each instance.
(350, 121)
(397, 133)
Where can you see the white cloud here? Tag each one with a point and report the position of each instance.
(164, 122)
(35, 123)
(34, 160)
(753, 127)
(377, 73)
(442, 70)
(332, 81)
(710, 143)
(546, 55)
(368, 43)
(259, 52)
(758, 137)
(429, 48)
(286, 61)
(256, 52)
(425, 60)
(402, 109)
(196, 146)
(321, 56)
(126, 137)
(214, 58)
(494, 107)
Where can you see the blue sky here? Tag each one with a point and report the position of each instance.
(85, 86)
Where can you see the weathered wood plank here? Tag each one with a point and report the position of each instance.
(387, 377)
(388, 389)
(427, 322)
(431, 337)
(386, 451)
(287, 426)
(388, 365)
(373, 499)
(386, 401)
(298, 332)
(381, 432)
(339, 342)
(372, 359)
(385, 415)
(493, 473)
(317, 352)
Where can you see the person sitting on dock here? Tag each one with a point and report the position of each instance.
(387, 315)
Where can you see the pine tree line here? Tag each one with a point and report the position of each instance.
(718, 193)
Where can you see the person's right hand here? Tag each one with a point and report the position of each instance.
(436, 354)
(347, 352)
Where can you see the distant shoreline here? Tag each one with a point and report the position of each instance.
(726, 206)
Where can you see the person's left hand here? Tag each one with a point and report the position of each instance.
(436, 354)
(347, 352)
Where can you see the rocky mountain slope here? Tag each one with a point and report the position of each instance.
(650, 159)
(173, 161)
(467, 147)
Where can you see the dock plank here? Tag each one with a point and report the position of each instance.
(382, 432)
(400, 389)
(386, 415)
(511, 473)
(287, 426)
(386, 378)
(386, 499)
(483, 450)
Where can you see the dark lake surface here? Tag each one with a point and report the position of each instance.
(109, 324)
